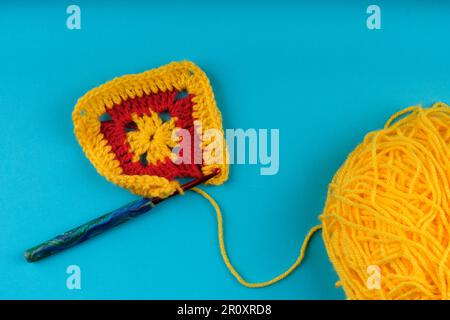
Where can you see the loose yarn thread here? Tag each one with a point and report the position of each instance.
(227, 261)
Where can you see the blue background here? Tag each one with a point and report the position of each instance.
(313, 71)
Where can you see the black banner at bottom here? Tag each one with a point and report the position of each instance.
(218, 309)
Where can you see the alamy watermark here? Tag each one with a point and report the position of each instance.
(373, 21)
(73, 21)
(374, 279)
(234, 146)
(73, 281)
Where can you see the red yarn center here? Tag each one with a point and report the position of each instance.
(119, 120)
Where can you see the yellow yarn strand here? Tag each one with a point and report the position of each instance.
(388, 206)
(226, 259)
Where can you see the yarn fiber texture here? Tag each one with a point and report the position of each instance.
(388, 210)
(121, 128)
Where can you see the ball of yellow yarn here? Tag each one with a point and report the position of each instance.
(386, 222)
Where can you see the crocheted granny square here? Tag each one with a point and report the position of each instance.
(126, 126)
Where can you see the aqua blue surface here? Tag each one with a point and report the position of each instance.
(315, 72)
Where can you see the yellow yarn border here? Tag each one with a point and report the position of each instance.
(182, 75)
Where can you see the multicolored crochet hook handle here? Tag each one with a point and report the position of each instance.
(99, 225)
(122, 130)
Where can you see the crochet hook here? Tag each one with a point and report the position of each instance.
(101, 224)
